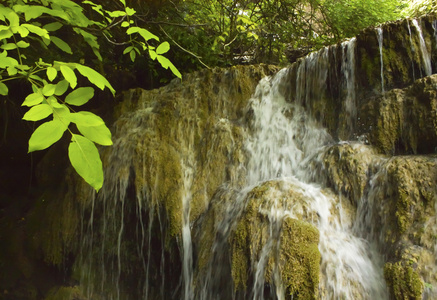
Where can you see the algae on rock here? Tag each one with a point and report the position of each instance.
(284, 245)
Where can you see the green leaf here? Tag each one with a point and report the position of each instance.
(166, 63)
(54, 102)
(7, 62)
(62, 113)
(132, 55)
(22, 44)
(125, 24)
(91, 40)
(8, 46)
(61, 44)
(98, 134)
(5, 34)
(116, 13)
(163, 48)
(52, 26)
(85, 159)
(152, 54)
(31, 12)
(38, 112)
(95, 77)
(3, 89)
(12, 71)
(23, 31)
(128, 49)
(33, 99)
(80, 96)
(51, 74)
(48, 89)
(175, 71)
(61, 87)
(69, 75)
(13, 18)
(86, 118)
(46, 135)
(37, 30)
(147, 35)
(130, 11)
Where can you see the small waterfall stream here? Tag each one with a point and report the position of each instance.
(284, 141)
(379, 32)
(424, 51)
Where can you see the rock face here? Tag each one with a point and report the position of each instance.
(317, 181)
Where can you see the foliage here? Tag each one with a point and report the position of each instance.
(347, 17)
(228, 32)
(417, 8)
(28, 28)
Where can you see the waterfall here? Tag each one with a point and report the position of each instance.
(283, 141)
(413, 49)
(213, 180)
(348, 69)
(379, 32)
(423, 49)
(187, 260)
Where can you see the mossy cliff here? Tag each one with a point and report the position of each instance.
(173, 148)
(403, 121)
(179, 161)
(395, 198)
(337, 81)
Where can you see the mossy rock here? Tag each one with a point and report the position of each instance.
(403, 121)
(403, 281)
(295, 255)
(346, 168)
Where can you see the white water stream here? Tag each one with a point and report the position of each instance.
(425, 54)
(379, 32)
(284, 139)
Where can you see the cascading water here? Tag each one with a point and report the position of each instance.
(284, 138)
(425, 54)
(348, 69)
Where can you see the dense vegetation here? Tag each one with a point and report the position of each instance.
(59, 49)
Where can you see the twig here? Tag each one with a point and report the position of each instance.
(114, 43)
(189, 52)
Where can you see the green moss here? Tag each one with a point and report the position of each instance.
(297, 259)
(403, 281)
(65, 293)
(347, 167)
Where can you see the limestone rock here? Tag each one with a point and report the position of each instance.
(282, 245)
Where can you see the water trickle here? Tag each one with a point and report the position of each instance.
(413, 50)
(311, 77)
(380, 40)
(425, 54)
(348, 69)
(187, 248)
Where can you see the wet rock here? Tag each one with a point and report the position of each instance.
(403, 121)
(271, 239)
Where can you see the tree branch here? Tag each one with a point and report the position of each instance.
(182, 48)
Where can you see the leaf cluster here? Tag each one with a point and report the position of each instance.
(32, 26)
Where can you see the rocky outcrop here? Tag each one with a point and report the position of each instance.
(179, 217)
(403, 121)
(283, 242)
